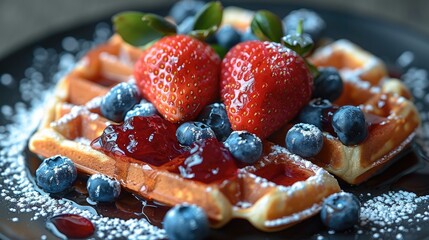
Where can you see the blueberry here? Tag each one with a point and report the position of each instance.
(186, 222)
(119, 100)
(227, 36)
(56, 174)
(190, 132)
(314, 113)
(313, 24)
(248, 35)
(144, 109)
(328, 84)
(185, 8)
(349, 125)
(244, 146)
(215, 116)
(340, 211)
(102, 188)
(186, 26)
(304, 139)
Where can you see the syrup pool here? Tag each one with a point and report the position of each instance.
(71, 226)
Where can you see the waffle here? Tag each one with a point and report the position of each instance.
(392, 117)
(280, 190)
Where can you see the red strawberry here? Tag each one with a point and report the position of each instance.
(263, 86)
(179, 75)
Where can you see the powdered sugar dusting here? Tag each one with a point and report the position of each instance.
(18, 191)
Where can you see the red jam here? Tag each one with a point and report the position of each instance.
(149, 139)
(207, 161)
(283, 174)
(73, 225)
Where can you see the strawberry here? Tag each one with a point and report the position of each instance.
(263, 85)
(179, 75)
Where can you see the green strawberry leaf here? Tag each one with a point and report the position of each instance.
(207, 20)
(267, 26)
(139, 29)
(160, 24)
(221, 51)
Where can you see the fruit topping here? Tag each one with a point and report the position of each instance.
(185, 68)
(319, 113)
(149, 139)
(227, 36)
(244, 146)
(143, 109)
(72, 225)
(102, 188)
(340, 211)
(190, 132)
(313, 24)
(304, 139)
(186, 222)
(56, 174)
(118, 101)
(216, 117)
(349, 124)
(184, 9)
(207, 161)
(263, 85)
(328, 84)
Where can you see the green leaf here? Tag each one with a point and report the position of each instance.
(221, 51)
(313, 69)
(207, 20)
(267, 26)
(135, 31)
(160, 24)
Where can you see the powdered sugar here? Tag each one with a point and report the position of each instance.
(18, 190)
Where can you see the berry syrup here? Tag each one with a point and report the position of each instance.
(149, 139)
(72, 225)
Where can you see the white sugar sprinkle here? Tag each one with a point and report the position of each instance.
(17, 190)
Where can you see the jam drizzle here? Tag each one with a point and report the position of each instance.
(72, 225)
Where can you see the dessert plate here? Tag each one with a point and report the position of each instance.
(384, 39)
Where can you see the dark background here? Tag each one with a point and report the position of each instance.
(23, 21)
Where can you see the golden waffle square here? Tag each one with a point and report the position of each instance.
(389, 111)
(280, 190)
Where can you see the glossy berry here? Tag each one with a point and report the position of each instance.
(149, 139)
(190, 132)
(186, 26)
(215, 116)
(349, 125)
(304, 139)
(207, 161)
(56, 174)
(328, 84)
(102, 188)
(118, 101)
(248, 36)
(227, 36)
(313, 24)
(244, 146)
(260, 98)
(143, 109)
(315, 113)
(186, 222)
(179, 75)
(185, 8)
(340, 211)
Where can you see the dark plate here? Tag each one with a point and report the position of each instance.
(385, 39)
